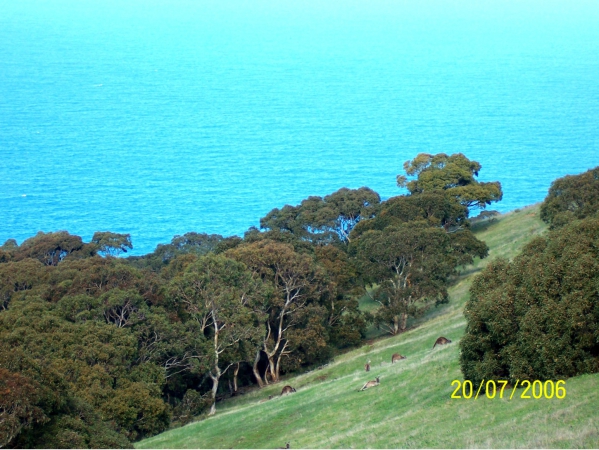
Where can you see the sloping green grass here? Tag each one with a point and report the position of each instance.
(412, 405)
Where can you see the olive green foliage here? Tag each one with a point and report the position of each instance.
(538, 316)
(221, 297)
(346, 324)
(112, 244)
(192, 243)
(571, 197)
(436, 208)
(69, 341)
(413, 243)
(412, 264)
(20, 277)
(294, 311)
(52, 248)
(324, 220)
(19, 396)
(454, 174)
(101, 351)
(79, 426)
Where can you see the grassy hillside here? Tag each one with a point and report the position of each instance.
(412, 406)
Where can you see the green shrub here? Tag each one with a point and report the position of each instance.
(192, 405)
(538, 316)
(571, 197)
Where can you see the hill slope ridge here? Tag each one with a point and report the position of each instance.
(412, 406)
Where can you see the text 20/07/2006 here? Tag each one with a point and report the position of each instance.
(495, 389)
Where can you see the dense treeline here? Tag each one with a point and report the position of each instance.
(537, 317)
(99, 350)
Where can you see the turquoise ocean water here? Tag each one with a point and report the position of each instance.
(158, 117)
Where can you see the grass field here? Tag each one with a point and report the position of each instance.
(412, 406)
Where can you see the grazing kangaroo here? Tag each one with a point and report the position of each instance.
(370, 384)
(286, 446)
(396, 357)
(442, 341)
(287, 390)
(367, 366)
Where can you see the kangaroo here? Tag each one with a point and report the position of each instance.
(370, 384)
(367, 366)
(442, 341)
(286, 446)
(396, 357)
(287, 390)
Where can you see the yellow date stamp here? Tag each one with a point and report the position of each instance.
(536, 389)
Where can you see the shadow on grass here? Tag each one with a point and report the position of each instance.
(483, 226)
(464, 273)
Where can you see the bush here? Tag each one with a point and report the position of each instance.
(537, 317)
(571, 197)
(192, 405)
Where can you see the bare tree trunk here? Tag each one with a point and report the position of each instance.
(235, 372)
(272, 369)
(395, 329)
(404, 321)
(214, 389)
(256, 371)
(278, 367)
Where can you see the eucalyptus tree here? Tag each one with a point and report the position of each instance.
(296, 280)
(537, 316)
(324, 220)
(411, 263)
(218, 295)
(18, 405)
(454, 174)
(112, 244)
(21, 276)
(52, 248)
(436, 208)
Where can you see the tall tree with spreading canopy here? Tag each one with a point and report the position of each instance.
(412, 263)
(218, 294)
(454, 174)
(436, 208)
(297, 281)
(112, 244)
(51, 248)
(324, 220)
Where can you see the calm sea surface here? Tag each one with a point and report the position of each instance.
(158, 117)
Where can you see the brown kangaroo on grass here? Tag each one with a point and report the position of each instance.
(286, 446)
(287, 390)
(370, 384)
(367, 366)
(396, 357)
(442, 341)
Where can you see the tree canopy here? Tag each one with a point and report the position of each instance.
(571, 197)
(454, 174)
(537, 317)
(112, 244)
(324, 220)
(221, 297)
(100, 351)
(412, 264)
